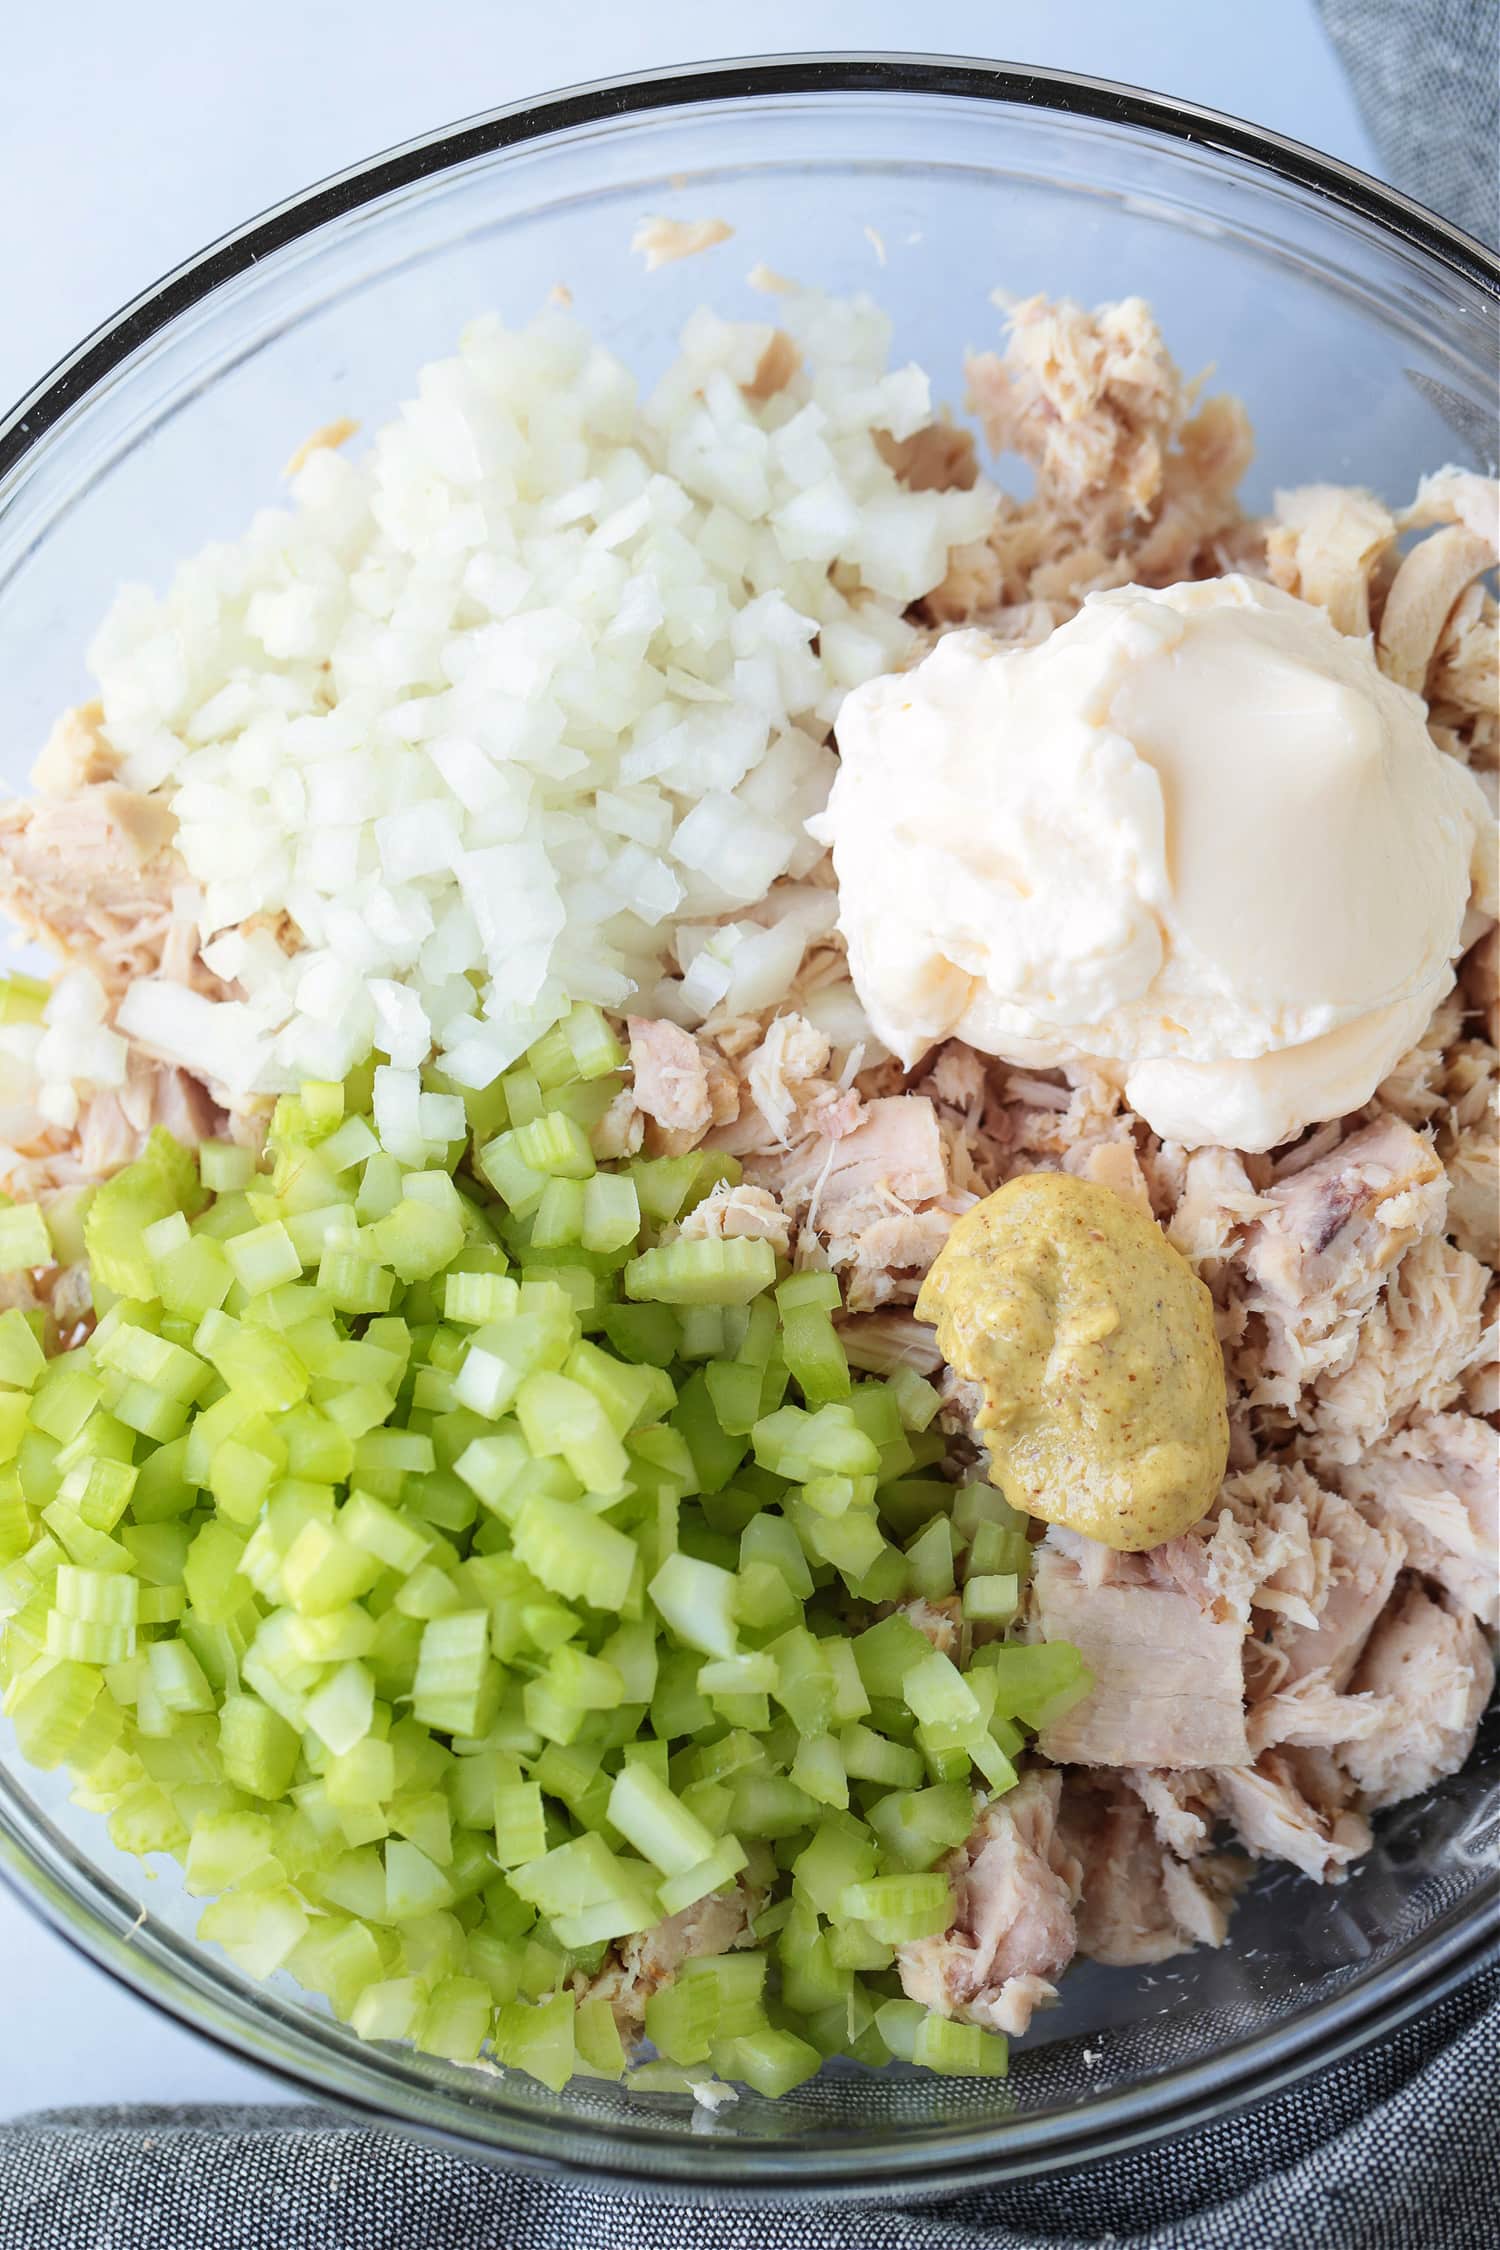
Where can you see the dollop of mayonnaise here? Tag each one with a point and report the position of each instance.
(1195, 838)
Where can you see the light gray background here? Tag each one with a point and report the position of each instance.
(132, 134)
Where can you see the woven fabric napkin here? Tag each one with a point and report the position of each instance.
(1397, 2149)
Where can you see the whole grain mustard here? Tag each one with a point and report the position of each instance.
(1093, 1341)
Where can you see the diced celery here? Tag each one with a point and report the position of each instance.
(702, 1271)
(24, 1240)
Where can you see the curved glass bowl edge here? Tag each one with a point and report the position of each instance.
(70, 382)
(214, 2005)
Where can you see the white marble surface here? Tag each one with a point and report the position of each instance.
(130, 136)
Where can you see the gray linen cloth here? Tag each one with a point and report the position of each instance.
(1426, 74)
(1397, 2149)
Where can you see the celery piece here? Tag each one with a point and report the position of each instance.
(539, 2040)
(590, 1683)
(413, 1886)
(818, 1768)
(162, 1180)
(258, 1929)
(959, 2050)
(575, 1554)
(918, 1826)
(696, 1599)
(734, 1390)
(224, 1166)
(263, 1258)
(211, 1573)
(771, 2061)
(992, 1599)
(594, 1048)
(1039, 1682)
(647, 1334)
(561, 1417)
(798, 1445)
(611, 1212)
(456, 2021)
(520, 1824)
(660, 1827)
(815, 1357)
(900, 1908)
(929, 1559)
(23, 999)
(559, 1215)
(390, 2009)
(716, 1454)
(477, 1299)
(258, 1749)
(340, 1712)
(48, 1708)
(887, 1653)
(702, 1271)
(771, 1538)
(555, 1146)
(24, 1240)
(454, 1678)
(22, 1359)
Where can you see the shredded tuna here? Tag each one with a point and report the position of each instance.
(92, 876)
(76, 754)
(1138, 1901)
(671, 1082)
(750, 1212)
(1295, 1805)
(1325, 544)
(1411, 1351)
(1318, 1257)
(1358, 1570)
(1422, 597)
(638, 1966)
(1436, 1674)
(1438, 1483)
(1014, 1888)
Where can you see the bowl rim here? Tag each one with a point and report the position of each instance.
(944, 2161)
(833, 71)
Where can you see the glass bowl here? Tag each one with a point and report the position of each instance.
(1360, 330)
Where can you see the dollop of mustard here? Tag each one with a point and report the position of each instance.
(1093, 1341)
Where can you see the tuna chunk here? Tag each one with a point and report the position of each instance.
(1169, 1673)
(940, 1622)
(1411, 1354)
(1317, 1260)
(1325, 544)
(862, 1191)
(671, 1080)
(1014, 1889)
(1362, 1559)
(1438, 1483)
(75, 755)
(638, 1966)
(791, 1056)
(1295, 1805)
(1216, 1204)
(1474, 1187)
(92, 877)
(893, 1161)
(1436, 1673)
(1138, 1902)
(749, 1212)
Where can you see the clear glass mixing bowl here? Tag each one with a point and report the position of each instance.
(1360, 330)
